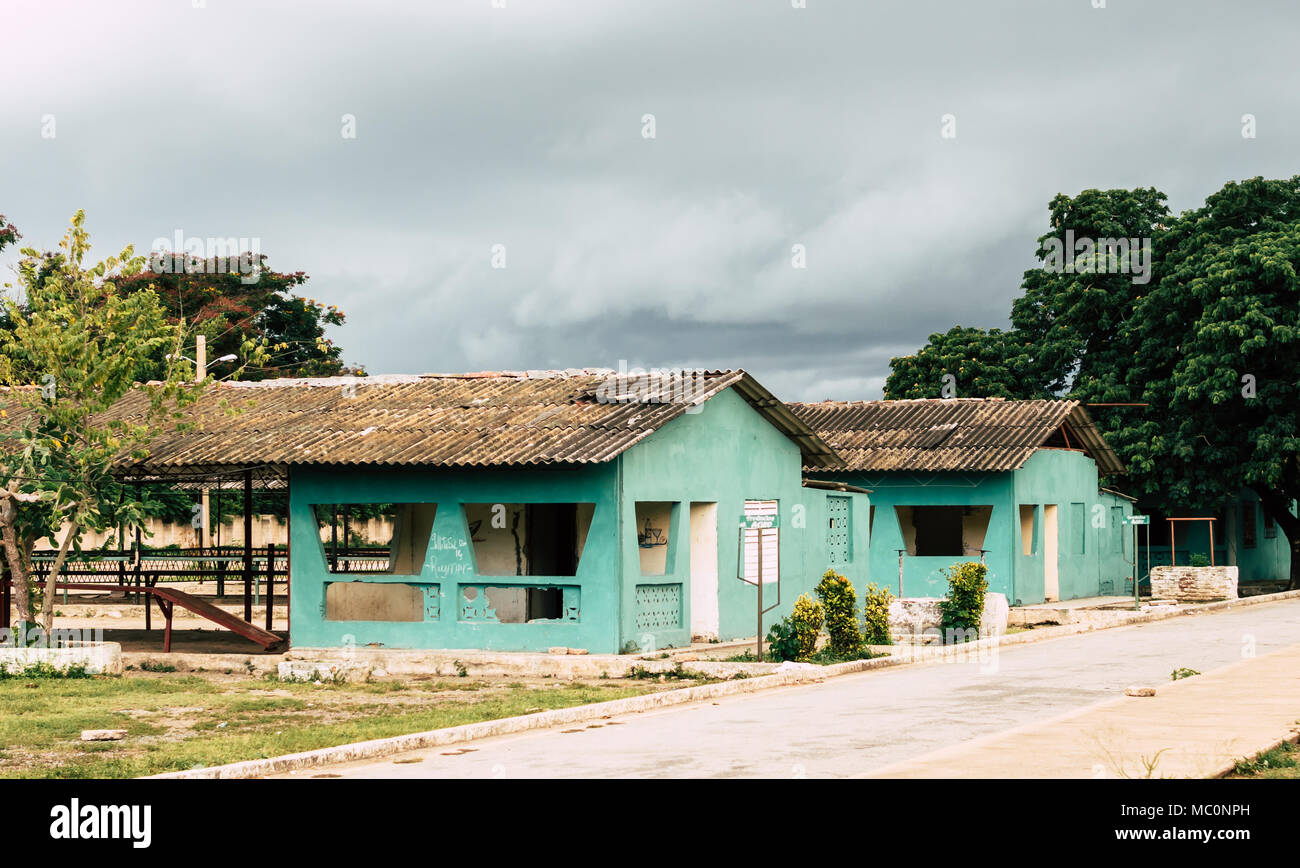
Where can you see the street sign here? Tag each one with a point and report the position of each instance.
(1138, 519)
(761, 522)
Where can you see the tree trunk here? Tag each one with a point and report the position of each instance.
(18, 566)
(1278, 507)
(47, 604)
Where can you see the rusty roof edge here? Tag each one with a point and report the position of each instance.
(783, 418)
(1082, 424)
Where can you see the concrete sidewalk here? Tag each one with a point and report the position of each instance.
(1196, 727)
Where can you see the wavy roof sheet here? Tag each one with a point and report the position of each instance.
(444, 420)
(973, 434)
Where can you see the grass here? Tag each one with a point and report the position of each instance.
(1281, 762)
(823, 657)
(178, 722)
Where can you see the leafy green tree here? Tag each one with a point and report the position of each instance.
(1075, 304)
(1214, 350)
(1207, 340)
(983, 364)
(72, 352)
(237, 309)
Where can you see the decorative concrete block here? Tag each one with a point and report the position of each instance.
(1194, 584)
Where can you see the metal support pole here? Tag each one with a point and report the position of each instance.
(270, 584)
(248, 545)
(1137, 583)
(759, 636)
(334, 537)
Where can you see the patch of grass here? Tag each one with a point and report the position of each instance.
(824, 657)
(43, 670)
(186, 721)
(151, 666)
(1182, 672)
(1281, 762)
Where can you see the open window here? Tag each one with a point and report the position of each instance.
(377, 538)
(1028, 529)
(528, 539)
(944, 531)
(654, 521)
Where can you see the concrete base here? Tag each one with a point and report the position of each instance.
(505, 664)
(99, 658)
(323, 671)
(1194, 584)
(916, 620)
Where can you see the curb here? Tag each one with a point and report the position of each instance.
(382, 747)
(1293, 738)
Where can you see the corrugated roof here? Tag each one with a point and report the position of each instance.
(443, 420)
(988, 434)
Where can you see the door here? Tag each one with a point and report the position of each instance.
(1051, 575)
(704, 571)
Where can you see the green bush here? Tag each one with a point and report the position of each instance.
(875, 611)
(795, 637)
(840, 601)
(1200, 561)
(962, 609)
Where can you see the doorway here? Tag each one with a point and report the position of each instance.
(552, 544)
(704, 572)
(1051, 575)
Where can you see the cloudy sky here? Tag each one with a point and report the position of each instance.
(524, 126)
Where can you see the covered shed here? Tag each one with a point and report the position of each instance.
(1014, 484)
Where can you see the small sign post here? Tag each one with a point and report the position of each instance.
(761, 524)
(1134, 521)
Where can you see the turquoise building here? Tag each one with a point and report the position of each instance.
(1241, 535)
(528, 510)
(1015, 484)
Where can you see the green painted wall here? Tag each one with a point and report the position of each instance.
(923, 576)
(725, 453)
(1094, 545)
(1092, 554)
(1267, 560)
(449, 562)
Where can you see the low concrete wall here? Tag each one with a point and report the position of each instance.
(99, 658)
(1194, 584)
(917, 619)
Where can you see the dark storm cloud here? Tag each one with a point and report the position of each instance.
(775, 126)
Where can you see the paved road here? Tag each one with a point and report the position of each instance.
(855, 724)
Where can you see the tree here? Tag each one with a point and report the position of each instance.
(1215, 351)
(238, 303)
(1075, 304)
(983, 364)
(8, 233)
(1207, 338)
(73, 350)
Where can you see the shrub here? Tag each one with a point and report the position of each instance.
(962, 608)
(1200, 561)
(840, 601)
(795, 636)
(875, 610)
